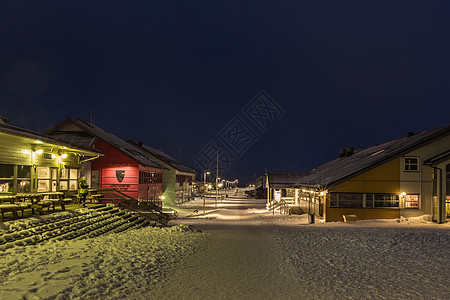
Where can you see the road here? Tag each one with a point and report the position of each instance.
(253, 254)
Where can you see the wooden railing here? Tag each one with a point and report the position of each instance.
(148, 209)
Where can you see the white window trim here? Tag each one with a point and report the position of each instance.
(418, 164)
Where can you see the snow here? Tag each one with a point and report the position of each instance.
(238, 250)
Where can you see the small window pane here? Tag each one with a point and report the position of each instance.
(43, 173)
(43, 186)
(23, 171)
(64, 174)
(24, 186)
(63, 185)
(73, 173)
(6, 171)
(6, 186)
(73, 185)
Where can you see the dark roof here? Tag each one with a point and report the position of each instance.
(165, 158)
(284, 180)
(96, 132)
(25, 133)
(75, 137)
(438, 158)
(343, 168)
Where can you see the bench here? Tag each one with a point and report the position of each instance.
(13, 208)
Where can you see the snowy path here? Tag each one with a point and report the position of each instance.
(260, 256)
(243, 253)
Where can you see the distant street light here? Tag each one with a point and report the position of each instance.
(204, 189)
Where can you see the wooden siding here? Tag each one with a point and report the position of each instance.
(383, 179)
(115, 160)
(335, 214)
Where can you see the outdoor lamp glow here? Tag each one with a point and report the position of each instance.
(64, 155)
(39, 151)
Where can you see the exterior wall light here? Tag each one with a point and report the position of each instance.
(39, 151)
(64, 155)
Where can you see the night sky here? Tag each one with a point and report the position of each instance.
(175, 74)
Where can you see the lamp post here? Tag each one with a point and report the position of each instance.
(204, 189)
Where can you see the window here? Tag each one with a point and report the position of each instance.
(23, 179)
(412, 201)
(411, 164)
(6, 178)
(386, 200)
(346, 200)
(43, 175)
(69, 180)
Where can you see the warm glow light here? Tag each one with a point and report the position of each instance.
(39, 151)
(26, 152)
(403, 194)
(54, 155)
(39, 142)
(64, 155)
(209, 186)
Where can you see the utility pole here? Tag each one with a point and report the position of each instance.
(217, 175)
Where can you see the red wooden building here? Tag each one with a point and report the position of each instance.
(123, 167)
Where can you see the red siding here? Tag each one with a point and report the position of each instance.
(115, 160)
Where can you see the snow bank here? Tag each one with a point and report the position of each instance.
(114, 265)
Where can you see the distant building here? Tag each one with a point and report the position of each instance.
(177, 178)
(32, 162)
(123, 167)
(407, 177)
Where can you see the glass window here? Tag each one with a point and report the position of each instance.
(412, 201)
(43, 186)
(6, 171)
(23, 171)
(386, 200)
(73, 173)
(63, 185)
(411, 164)
(64, 174)
(73, 185)
(333, 200)
(43, 173)
(351, 200)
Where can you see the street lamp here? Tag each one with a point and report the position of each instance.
(204, 189)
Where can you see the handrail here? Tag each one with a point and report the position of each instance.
(151, 210)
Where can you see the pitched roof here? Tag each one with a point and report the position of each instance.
(28, 134)
(284, 180)
(165, 158)
(343, 168)
(96, 132)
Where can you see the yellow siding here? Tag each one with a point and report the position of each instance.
(383, 179)
(335, 214)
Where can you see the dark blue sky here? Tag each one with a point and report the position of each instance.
(174, 73)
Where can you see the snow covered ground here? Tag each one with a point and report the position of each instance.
(243, 252)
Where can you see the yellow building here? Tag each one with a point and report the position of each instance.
(407, 177)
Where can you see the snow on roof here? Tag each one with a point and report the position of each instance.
(164, 158)
(126, 148)
(281, 180)
(364, 159)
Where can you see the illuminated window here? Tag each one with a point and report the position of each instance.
(43, 175)
(23, 179)
(69, 180)
(412, 201)
(6, 178)
(411, 164)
